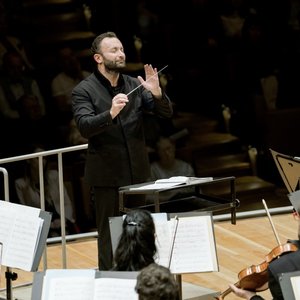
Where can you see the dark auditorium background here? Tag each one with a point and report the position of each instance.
(243, 55)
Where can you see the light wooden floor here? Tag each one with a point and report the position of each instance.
(238, 247)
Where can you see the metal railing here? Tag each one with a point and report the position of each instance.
(40, 155)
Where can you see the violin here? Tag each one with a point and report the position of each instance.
(255, 278)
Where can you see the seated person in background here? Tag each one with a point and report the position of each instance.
(9, 41)
(63, 83)
(168, 165)
(74, 137)
(28, 192)
(136, 248)
(31, 127)
(289, 262)
(154, 126)
(156, 282)
(14, 83)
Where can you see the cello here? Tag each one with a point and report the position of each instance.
(255, 278)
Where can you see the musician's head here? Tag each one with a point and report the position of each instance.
(156, 282)
(136, 248)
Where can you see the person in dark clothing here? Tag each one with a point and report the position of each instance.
(136, 247)
(289, 262)
(108, 109)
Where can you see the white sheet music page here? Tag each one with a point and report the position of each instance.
(1, 247)
(81, 284)
(295, 280)
(194, 248)
(162, 238)
(20, 228)
(115, 288)
(172, 181)
(68, 284)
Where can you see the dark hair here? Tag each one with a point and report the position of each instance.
(156, 282)
(136, 248)
(96, 47)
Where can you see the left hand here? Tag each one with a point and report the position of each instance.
(241, 293)
(152, 81)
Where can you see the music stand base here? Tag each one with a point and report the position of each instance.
(10, 276)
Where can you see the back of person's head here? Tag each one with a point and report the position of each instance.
(136, 248)
(156, 282)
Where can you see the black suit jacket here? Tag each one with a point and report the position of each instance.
(116, 154)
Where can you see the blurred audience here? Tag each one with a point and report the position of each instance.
(28, 192)
(14, 83)
(74, 137)
(32, 126)
(9, 42)
(62, 84)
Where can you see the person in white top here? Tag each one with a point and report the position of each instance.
(28, 192)
(168, 165)
(63, 83)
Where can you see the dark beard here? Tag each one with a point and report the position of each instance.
(113, 66)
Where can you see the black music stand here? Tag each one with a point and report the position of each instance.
(285, 281)
(115, 224)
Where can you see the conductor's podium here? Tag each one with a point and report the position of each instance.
(138, 195)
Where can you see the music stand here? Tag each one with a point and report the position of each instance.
(289, 169)
(288, 289)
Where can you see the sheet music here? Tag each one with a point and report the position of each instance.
(194, 248)
(20, 228)
(296, 286)
(60, 284)
(163, 240)
(115, 288)
(157, 186)
(20, 247)
(78, 288)
(1, 247)
(195, 243)
(171, 182)
(66, 284)
(19, 209)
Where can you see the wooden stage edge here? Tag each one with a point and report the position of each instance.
(238, 246)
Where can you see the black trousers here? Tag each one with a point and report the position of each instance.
(106, 200)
